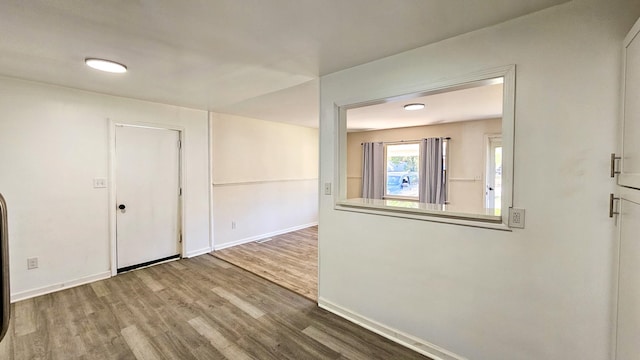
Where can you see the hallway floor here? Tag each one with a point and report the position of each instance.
(289, 260)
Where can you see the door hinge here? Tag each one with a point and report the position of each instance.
(180, 238)
(179, 144)
(613, 164)
(612, 212)
(180, 192)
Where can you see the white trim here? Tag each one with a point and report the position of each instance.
(421, 346)
(421, 89)
(198, 252)
(261, 182)
(28, 294)
(210, 181)
(508, 73)
(262, 236)
(112, 198)
(182, 136)
(635, 30)
(468, 220)
(488, 139)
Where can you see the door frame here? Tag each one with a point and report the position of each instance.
(113, 191)
(488, 139)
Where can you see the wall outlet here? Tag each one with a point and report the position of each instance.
(233, 225)
(32, 263)
(516, 218)
(327, 188)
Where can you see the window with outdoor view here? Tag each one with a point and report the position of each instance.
(402, 161)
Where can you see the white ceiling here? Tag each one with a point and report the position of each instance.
(475, 103)
(223, 55)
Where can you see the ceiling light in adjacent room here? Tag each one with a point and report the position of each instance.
(105, 65)
(415, 106)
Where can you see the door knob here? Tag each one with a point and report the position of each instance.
(121, 207)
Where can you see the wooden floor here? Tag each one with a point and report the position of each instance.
(198, 308)
(289, 260)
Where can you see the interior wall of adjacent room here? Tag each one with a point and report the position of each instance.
(265, 178)
(544, 292)
(466, 152)
(53, 142)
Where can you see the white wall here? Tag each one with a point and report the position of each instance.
(53, 142)
(265, 178)
(545, 292)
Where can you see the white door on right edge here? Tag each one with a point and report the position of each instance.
(628, 317)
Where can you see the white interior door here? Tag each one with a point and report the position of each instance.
(628, 319)
(147, 195)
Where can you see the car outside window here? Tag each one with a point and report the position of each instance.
(402, 161)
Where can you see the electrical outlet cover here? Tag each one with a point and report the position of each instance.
(32, 263)
(516, 218)
(99, 183)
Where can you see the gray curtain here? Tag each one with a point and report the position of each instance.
(432, 187)
(372, 170)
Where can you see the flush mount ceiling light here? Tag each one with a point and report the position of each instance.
(414, 106)
(105, 65)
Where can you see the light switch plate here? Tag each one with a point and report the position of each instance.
(99, 183)
(327, 188)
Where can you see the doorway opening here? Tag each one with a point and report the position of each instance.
(493, 177)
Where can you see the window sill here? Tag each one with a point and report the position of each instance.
(483, 218)
(401, 198)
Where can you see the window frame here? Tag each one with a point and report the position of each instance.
(445, 174)
(445, 171)
(423, 211)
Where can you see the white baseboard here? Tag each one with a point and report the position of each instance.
(423, 347)
(23, 295)
(198, 252)
(262, 236)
